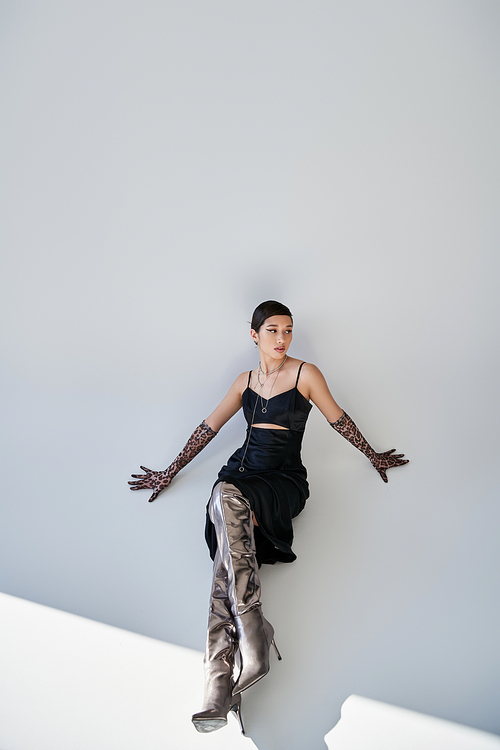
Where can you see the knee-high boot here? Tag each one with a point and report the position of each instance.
(219, 658)
(231, 515)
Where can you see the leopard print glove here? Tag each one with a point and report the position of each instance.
(380, 461)
(159, 480)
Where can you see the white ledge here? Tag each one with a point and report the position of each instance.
(69, 683)
(366, 724)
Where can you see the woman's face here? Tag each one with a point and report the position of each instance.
(274, 336)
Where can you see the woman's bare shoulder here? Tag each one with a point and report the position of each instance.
(241, 382)
(292, 363)
(311, 371)
(315, 388)
(311, 380)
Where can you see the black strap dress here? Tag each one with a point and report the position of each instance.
(273, 478)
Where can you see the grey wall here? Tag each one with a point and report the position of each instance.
(166, 167)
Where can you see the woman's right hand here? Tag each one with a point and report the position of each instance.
(151, 480)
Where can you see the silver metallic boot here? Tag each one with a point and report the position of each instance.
(219, 659)
(231, 515)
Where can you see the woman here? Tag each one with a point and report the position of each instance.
(256, 496)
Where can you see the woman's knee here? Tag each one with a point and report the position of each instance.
(226, 496)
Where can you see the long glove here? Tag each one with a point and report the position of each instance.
(380, 461)
(158, 480)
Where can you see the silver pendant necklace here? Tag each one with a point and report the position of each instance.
(260, 370)
(264, 408)
(267, 375)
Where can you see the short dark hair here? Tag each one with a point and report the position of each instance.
(266, 310)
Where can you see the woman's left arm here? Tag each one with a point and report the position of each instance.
(320, 395)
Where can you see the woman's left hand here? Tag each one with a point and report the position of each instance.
(383, 461)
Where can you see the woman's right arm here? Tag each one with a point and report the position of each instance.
(204, 433)
(230, 404)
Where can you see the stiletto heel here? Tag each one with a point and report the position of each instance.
(236, 709)
(255, 636)
(273, 643)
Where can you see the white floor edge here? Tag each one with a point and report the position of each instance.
(68, 683)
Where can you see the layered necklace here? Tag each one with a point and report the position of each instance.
(260, 372)
(266, 375)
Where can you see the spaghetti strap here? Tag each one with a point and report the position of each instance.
(249, 376)
(298, 374)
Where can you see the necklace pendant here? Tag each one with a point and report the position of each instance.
(242, 468)
(264, 410)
